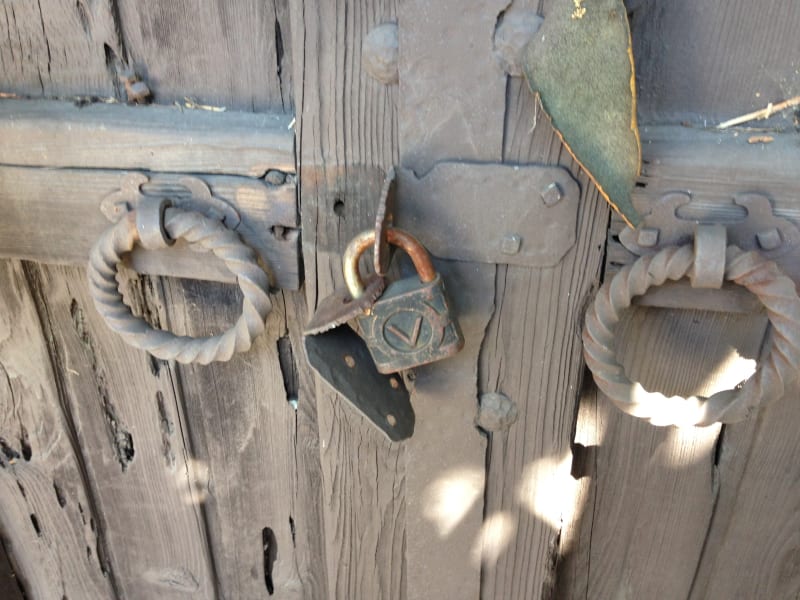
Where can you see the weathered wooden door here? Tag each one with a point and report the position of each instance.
(122, 476)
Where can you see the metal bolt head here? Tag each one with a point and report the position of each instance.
(647, 237)
(769, 239)
(552, 194)
(275, 177)
(379, 53)
(496, 412)
(511, 244)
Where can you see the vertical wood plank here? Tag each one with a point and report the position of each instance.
(654, 488)
(231, 54)
(128, 415)
(346, 134)
(48, 522)
(58, 48)
(244, 432)
(533, 355)
(752, 548)
(9, 586)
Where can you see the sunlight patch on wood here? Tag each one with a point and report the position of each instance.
(447, 500)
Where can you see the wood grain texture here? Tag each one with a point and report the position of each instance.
(55, 216)
(244, 431)
(128, 415)
(9, 585)
(653, 490)
(115, 136)
(48, 522)
(532, 353)
(232, 54)
(753, 543)
(51, 48)
(708, 60)
(346, 134)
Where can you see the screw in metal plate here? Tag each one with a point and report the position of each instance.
(647, 237)
(769, 239)
(511, 244)
(551, 194)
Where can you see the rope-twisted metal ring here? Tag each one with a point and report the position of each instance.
(749, 269)
(207, 233)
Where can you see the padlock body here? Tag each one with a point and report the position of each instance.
(411, 324)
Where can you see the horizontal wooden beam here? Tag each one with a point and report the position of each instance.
(54, 216)
(44, 133)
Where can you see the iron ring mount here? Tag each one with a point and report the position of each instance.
(155, 224)
(751, 270)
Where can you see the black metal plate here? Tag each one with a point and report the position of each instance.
(342, 359)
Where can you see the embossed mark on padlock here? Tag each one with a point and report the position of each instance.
(412, 323)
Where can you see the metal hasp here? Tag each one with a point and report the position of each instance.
(491, 213)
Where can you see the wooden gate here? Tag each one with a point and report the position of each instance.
(123, 476)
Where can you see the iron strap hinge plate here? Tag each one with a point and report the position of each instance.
(491, 213)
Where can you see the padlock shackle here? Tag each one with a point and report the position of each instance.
(397, 237)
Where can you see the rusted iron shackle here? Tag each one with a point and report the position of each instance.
(396, 237)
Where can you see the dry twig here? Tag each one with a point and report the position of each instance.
(764, 113)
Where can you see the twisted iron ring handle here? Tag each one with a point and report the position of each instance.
(762, 277)
(207, 233)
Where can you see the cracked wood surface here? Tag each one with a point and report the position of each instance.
(48, 523)
(261, 501)
(231, 54)
(128, 419)
(346, 135)
(54, 48)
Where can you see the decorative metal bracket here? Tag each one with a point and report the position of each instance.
(749, 220)
(191, 193)
(749, 223)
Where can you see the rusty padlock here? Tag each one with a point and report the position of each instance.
(412, 322)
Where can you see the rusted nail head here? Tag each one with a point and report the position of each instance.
(551, 194)
(769, 240)
(648, 237)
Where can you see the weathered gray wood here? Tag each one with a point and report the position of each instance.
(347, 132)
(48, 522)
(9, 585)
(128, 417)
(705, 61)
(244, 430)
(751, 549)
(234, 54)
(58, 48)
(157, 138)
(532, 353)
(654, 489)
(54, 216)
